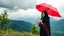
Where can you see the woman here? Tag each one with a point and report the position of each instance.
(44, 24)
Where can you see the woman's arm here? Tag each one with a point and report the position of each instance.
(40, 23)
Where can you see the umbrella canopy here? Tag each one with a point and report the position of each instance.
(50, 9)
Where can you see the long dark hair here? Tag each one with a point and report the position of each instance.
(46, 15)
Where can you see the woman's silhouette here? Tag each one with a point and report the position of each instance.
(44, 24)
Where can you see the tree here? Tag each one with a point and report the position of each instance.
(4, 18)
(34, 29)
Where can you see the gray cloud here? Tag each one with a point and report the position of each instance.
(23, 4)
(61, 7)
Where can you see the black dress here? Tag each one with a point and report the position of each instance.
(43, 31)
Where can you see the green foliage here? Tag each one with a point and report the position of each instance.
(34, 29)
(4, 18)
(10, 32)
(6, 28)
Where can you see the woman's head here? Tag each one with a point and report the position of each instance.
(44, 14)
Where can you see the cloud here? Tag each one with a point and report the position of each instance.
(55, 3)
(23, 4)
(30, 13)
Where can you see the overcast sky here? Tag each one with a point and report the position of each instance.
(22, 8)
(23, 4)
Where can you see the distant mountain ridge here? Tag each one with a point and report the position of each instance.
(34, 20)
(58, 25)
(20, 25)
(26, 26)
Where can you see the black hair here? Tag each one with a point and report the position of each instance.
(46, 15)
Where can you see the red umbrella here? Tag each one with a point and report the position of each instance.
(50, 9)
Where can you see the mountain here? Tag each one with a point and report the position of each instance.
(57, 28)
(58, 25)
(20, 25)
(34, 20)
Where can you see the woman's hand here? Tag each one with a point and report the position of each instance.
(40, 22)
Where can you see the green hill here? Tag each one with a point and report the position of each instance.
(20, 25)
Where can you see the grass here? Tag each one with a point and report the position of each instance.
(10, 32)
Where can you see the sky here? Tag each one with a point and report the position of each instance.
(26, 8)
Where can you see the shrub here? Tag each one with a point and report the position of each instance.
(34, 29)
